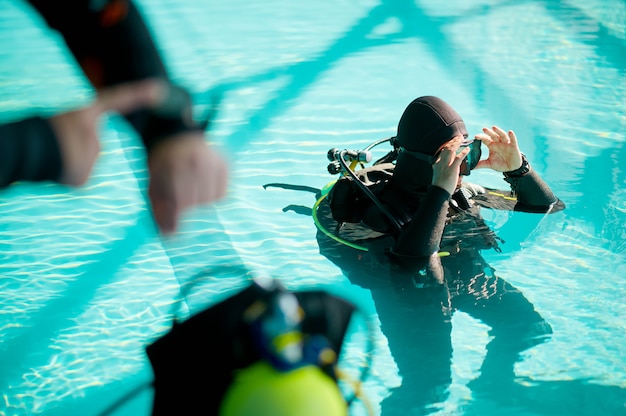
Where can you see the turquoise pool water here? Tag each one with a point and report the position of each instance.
(86, 282)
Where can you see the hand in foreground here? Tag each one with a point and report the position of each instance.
(504, 153)
(447, 167)
(77, 131)
(184, 172)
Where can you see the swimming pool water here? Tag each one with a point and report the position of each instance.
(86, 281)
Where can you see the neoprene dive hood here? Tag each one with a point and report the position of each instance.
(426, 124)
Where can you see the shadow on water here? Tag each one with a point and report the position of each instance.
(416, 316)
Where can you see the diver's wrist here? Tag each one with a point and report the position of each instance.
(519, 172)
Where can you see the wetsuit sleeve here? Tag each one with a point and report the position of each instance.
(29, 151)
(421, 238)
(113, 45)
(533, 194)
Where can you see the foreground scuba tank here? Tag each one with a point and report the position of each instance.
(196, 361)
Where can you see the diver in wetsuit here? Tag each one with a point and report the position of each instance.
(425, 191)
(423, 235)
(113, 46)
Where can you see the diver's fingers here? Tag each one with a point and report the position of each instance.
(127, 97)
(491, 134)
(460, 157)
(502, 135)
(455, 143)
(484, 138)
(495, 137)
(446, 153)
(513, 138)
(449, 156)
(446, 156)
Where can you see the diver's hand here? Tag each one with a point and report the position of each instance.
(447, 167)
(504, 153)
(77, 131)
(184, 172)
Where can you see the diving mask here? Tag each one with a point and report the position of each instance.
(468, 164)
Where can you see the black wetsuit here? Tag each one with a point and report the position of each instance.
(112, 44)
